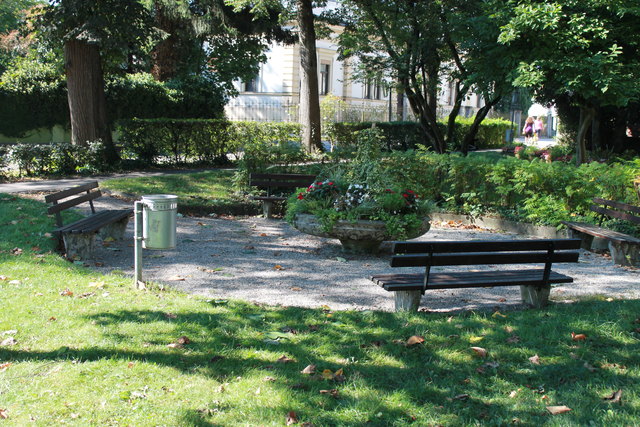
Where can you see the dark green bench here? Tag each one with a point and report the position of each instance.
(79, 237)
(534, 282)
(278, 187)
(624, 249)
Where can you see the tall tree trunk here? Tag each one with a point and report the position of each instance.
(586, 116)
(309, 96)
(399, 105)
(87, 101)
(166, 54)
(451, 121)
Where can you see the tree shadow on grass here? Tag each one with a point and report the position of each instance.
(385, 379)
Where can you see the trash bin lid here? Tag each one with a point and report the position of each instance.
(160, 202)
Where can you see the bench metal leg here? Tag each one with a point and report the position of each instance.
(407, 300)
(267, 208)
(79, 246)
(535, 296)
(624, 253)
(114, 230)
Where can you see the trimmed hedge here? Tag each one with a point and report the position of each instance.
(154, 141)
(407, 135)
(57, 158)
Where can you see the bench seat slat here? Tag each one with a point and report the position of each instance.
(474, 279)
(604, 233)
(280, 184)
(94, 222)
(484, 246)
(271, 198)
(478, 258)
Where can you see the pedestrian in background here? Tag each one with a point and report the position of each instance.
(527, 130)
(538, 128)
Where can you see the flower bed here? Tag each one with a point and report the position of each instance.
(359, 216)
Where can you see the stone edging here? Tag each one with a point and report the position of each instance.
(494, 223)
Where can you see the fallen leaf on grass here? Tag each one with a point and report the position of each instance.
(170, 316)
(292, 418)
(4, 366)
(578, 337)
(16, 251)
(3, 277)
(513, 339)
(285, 359)
(498, 314)
(416, 339)
(556, 410)
(615, 397)
(590, 367)
(479, 351)
(9, 341)
(86, 294)
(176, 278)
(180, 343)
(535, 359)
(333, 392)
(66, 293)
(3, 414)
(463, 396)
(309, 370)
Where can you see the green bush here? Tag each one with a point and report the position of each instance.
(58, 158)
(535, 191)
(404, 136)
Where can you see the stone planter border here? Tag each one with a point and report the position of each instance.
(495, 223)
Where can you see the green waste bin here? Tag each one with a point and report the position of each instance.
(159, 221)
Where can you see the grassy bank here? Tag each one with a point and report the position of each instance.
(83, 348)
(199, 193)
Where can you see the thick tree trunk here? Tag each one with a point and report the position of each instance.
(451, 122)
(87, 101)
(309, 96)
(586, 116)
(166, 54)
(400, 106)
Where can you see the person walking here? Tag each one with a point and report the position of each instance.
(527, 130)
(538, 128)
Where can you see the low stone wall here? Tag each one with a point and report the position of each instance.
(494, 223)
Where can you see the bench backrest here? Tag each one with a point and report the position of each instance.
(614, 209)
(485, 252)
(71, 197)
(280, 180)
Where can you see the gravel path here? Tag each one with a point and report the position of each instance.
(267, 261)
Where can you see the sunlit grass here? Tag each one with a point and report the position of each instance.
(98, 354)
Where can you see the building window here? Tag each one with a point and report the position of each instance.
(372, 89)
(325, 78)
(251, 85)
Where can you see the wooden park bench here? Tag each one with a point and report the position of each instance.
(625, 249)
(278, 187)
(79, 236)
(534, 283)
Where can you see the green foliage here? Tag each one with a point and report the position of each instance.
(140, 96)
(407, 135)
(58, 158)
(32, 95)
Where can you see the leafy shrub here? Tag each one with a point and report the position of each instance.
(58, 158)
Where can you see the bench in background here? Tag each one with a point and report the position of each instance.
(624, 249)
(278, 187)
(79, 236)
(534, 283)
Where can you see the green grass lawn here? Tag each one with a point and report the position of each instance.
(199, 193)
(83, 348)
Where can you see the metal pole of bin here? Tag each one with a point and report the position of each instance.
(155, 228)
(137, 235)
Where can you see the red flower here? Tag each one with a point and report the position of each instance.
(301, 196)
(405, 195)
(330, 182)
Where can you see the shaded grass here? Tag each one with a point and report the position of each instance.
(100, 356)
(199, 193)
